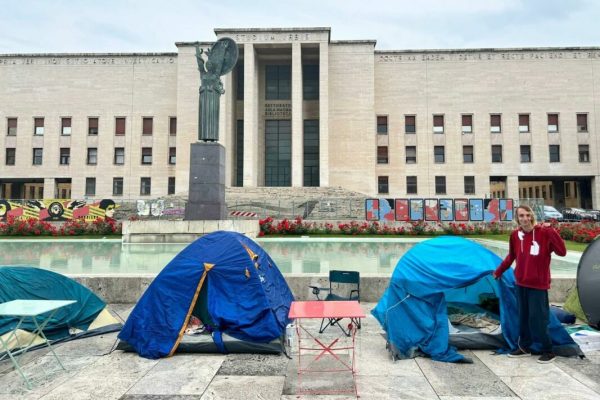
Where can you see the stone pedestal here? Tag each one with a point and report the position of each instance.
(207, 182)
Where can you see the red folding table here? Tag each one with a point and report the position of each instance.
(300, 310)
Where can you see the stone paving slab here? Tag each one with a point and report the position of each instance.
(229, 387)
(188, 374)
(255, 365)
(126, 376)
(448, 379)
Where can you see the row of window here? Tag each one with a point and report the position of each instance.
(411, 185)
(93, 125)
(278, 82)
(439, 154)
(410, 123)
(118, 183)
(92, 156)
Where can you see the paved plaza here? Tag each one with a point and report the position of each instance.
(95, 374)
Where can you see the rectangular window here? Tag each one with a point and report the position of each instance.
(145, 186)
(278, 82)
(530, 189)
(439, 156)
(310, 81)
(383, 184)
(119, 158)
(172, 155)
(567, 189)
(544, 192)
(411, 154)
(467, 123)
(469, 185)
(496, 153)
(468, 154)
(146, 155)
(38, 155)
(584, 153)
(119, 125)
(11, 126)
(38, 126)
(411, 185)
(147, 123)
(172, 126)
(382, 154)
(438, 124)
(440, 185)
(240, 81)
(495, 123)
(382, 124)
(92, 126)
(552, 123)
(523, 123)
(92, 156)
(171, 185)
(525, 153)
(65, 156)
(65, 126)
(582, 123)
(90, 186)
(239, 152)
(117, 187)
(278, 152)
(10, 156)
(554, 150)
(410, 124)
(311, 152)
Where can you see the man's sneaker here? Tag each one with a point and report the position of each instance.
(519, 353)
(546, 358)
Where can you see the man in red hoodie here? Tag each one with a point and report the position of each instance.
(532, 246)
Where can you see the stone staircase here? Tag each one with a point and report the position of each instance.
(289, 202)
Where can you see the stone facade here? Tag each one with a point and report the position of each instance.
(357, 84)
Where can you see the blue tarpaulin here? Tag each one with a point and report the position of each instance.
(247, 297)
(413, 309)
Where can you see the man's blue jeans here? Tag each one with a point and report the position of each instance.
(534, 316)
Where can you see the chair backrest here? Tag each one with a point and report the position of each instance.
(352, 277)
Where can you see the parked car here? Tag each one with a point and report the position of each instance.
(576, 214)
(595, 214)
(552, 213)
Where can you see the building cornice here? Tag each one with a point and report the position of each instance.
(488, 50)
(89, 55)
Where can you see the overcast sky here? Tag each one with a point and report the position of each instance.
(61, 26)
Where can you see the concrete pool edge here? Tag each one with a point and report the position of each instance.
(129, 288)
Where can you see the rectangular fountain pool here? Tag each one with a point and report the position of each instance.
(292, 255)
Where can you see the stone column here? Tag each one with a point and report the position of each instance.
(512, 187)
(297, 118)
(558, 193)
(250, 117)
(50, 188)
(324, 114)
(595, 186)
(227, 126)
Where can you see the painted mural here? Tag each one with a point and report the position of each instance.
(445, 210)
(57, 209)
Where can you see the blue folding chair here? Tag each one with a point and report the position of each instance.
(343, 286)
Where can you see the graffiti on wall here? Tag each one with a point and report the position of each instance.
(57, 209)
(445, 210)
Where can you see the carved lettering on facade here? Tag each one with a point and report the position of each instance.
(491, 56)
(86, 60)
(272, 37)
(278, 110)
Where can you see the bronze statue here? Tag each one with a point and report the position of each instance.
(220, 59)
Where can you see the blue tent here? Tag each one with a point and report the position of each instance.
(233, 283)
(87, 316)
(413, 309)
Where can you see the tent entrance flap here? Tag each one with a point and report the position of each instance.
(207, 267)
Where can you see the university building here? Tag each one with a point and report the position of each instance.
(303, 110)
